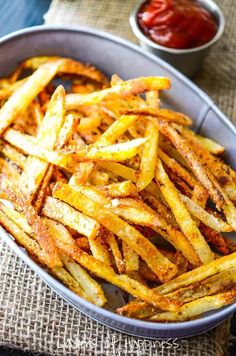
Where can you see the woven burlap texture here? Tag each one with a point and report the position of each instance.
(32, 317)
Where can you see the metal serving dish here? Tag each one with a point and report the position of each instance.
(114, 55)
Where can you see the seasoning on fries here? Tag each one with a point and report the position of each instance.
(98, 182)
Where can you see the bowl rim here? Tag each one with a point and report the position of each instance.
(221, 313)
(142, 37)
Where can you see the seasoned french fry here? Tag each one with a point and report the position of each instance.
(168, 115)
(22, 97)
(111, 240)
(208, 219)
(67, 246)
(35, 169)
(42, 235)
(187, 225)
(90, 286)
(117, 152)
(211, 145)
(64, 213)
(131, 258)
(132, 86)
(13, 154)
(137, 212)
(197, 307)
(220, 282)
(119, 190)
(200, 172)
(149, 156)
(157, 262)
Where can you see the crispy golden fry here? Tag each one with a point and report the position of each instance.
(211, 145)
(13, 154)
(187, 225)
(67, 130)
(64, 213)
(42, 190)
(208, 219)
(111, 240)
(42, 235)
(35, 169)
(129, 87)
(67, 160)
(199, 274)
(119, 190)
(149, 156)
(129, 173)
(224, 174)
(18, 218)
(89, 123)
(214, 238)
(67, 246)
(193, 161)
(168, 115)
(220, 282)
(89, 285)
(9, 170)
(67, 66)
(152, 98)
(31, 246)
(159, 207)
(197, 307)
(131, 258)
(156, 261)
(70, 282)
(137, 212)
(21, 98)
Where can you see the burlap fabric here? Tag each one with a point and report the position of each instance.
(34, 318)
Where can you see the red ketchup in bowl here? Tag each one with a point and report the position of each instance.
(179, 24)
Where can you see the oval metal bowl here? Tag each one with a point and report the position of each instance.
(114, 55)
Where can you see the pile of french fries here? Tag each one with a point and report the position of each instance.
(99, 182)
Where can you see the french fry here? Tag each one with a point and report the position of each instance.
(165, 114)
(208, 219)
(225, 175)
(131, 258)
(117, 152)
(129, 173)
(129, 87)
(199, 274)
(200, 172)
(157, 262)
(139, 213)
(111, 240)
(67, 66)
(197, 307)
(211, 145)
(35, 169)
(13, 154)
(42, 235)
(187, 225)
(64, 213)
(149, 156)
(90, 286)
(67, 246)
(119, 190)
(215, 238)
(22, 97)
(222, 281)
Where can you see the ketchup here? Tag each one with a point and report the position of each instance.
(177, 23)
